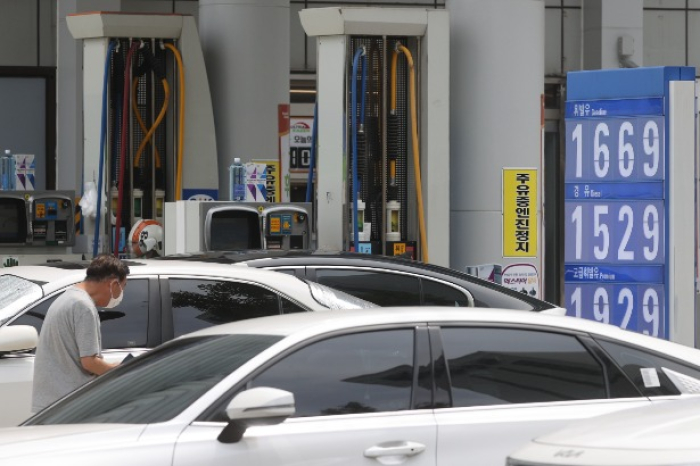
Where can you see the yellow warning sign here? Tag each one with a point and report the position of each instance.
(399, 249)
(275, 224)
(519, 212)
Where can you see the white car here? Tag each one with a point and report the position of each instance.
(658, 435)
(424, 386)
(163, 300)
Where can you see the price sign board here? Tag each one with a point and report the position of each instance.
(616, 200)
(300, 143)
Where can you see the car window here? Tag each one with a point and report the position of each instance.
(292, 272)
(158, 385)
(645, 368)
(124, 326)
(492, 366)
(497, 296)
(439, 294)
(36, 314)
(199, 303)
(360, 373)
(332, 298)
(381, 288)
(289, 307)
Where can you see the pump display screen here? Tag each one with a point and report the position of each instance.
(234, 229)
(13, 221)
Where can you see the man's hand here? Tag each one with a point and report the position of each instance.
(96, 365)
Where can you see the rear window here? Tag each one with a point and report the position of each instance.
(647, 370)
(382, 288)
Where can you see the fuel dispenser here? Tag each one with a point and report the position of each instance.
(36, 226)
(385, 125)
(52, 218)
(193, 226)
(149, 125)
(287, 226)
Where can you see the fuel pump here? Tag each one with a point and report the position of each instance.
(397, 175)
(36, 227)
(193, 226)
(156, 138)
(287, 227)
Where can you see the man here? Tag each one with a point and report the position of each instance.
(69, 352)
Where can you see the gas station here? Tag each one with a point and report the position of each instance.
(423, 145)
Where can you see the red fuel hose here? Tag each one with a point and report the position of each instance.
(122, 155)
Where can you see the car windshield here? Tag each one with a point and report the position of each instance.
(15, 294)
(336, 299)
(159, 385)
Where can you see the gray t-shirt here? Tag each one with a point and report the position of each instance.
(71, 330)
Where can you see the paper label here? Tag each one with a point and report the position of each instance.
(650, 377)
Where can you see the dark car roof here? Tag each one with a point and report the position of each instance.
(281, 258)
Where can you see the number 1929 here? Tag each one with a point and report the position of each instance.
(632, 307)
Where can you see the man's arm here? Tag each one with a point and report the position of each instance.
(95, 364)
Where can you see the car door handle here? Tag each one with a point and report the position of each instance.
(394, 449)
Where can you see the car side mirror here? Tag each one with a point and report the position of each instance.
(260, 406)
(17, 338)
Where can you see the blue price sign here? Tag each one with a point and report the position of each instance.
(616, 213)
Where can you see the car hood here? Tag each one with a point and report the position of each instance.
(667, 425)
(34, 441)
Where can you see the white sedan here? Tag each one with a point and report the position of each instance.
(420, 386)
(163, 300)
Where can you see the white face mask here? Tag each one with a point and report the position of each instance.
(114, 302)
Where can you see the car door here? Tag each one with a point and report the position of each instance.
(509, 385)
(124, 330)
(355, 397)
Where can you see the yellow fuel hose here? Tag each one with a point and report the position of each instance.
(416, 154)
(181, 122)
(394, 59)
(151, 131)
(392, 111)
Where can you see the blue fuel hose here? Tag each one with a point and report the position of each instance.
(103, 134)
(312, 162)
(364, 87)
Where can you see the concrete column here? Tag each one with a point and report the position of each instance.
(246, 50)
(332, 165)
(435, 135)
(613, 34)
(69, 94)
(497, 63)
